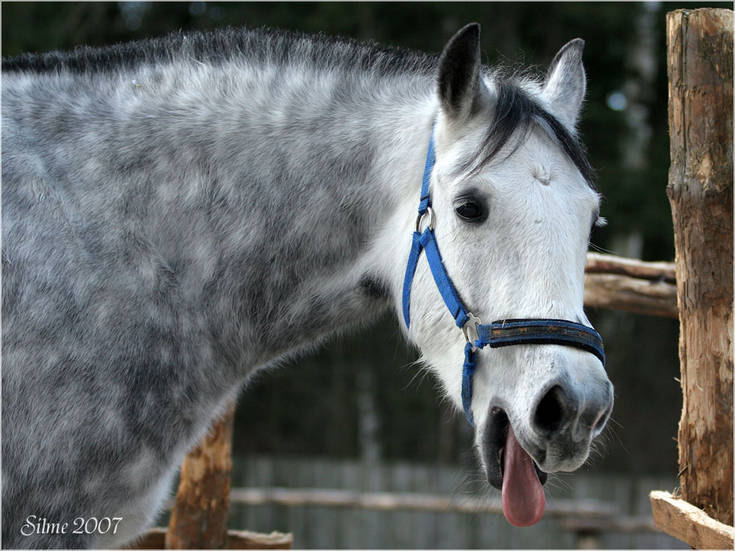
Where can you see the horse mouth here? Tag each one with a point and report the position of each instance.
(513, 470)
(495, 438)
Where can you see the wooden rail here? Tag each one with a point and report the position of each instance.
(639, 269)
(589, 515)
(155, 538)
(690, 524)
(632, 285)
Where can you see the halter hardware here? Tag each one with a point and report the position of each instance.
(420, 218)
(469, 329)
(496, 334)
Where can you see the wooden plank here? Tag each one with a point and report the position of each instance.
(632, 285)
(700, 68)
(611, 264)
(236, 539)
(609, 524)
(391, 501)
(243, 539)
(199, 516)
(688, 523)
(155, 538)
(620, 292)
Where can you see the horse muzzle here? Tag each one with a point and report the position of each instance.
(556, 431)
(567, 416)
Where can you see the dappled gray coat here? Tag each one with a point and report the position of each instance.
(180, 212)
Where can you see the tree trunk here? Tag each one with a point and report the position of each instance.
(199, 516)
(700, 61)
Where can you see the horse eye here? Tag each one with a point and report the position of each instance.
(470, 210)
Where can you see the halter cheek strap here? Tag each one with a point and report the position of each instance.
(496, 334)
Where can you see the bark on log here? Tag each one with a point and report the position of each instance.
(700, 62)
(620, 292)
(633, 285)
(199, 516)
(610, 264)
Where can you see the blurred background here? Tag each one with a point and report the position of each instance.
(358, 415)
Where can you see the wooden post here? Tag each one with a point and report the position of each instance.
(700, 63)
(199, 516)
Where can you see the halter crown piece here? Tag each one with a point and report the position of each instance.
(496, 334)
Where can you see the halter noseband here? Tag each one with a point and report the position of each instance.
(498, 333)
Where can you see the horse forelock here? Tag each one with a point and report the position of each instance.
(515, 112)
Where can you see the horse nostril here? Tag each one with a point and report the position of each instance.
(600, 424)
(604, 416)
(551, 412)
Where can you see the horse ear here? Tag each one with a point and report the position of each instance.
(460, 86)
(566, 83)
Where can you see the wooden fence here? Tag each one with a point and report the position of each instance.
(332, 504)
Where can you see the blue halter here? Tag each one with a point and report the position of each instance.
(498, 333)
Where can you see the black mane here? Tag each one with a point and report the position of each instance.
(514, 114)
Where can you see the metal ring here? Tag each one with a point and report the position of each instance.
(469, 329)
(420, 218)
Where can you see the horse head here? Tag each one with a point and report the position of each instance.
(511, 209)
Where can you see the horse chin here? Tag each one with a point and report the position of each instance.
(569, 463)
(494, 439)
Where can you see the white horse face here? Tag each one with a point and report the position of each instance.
(513, 235)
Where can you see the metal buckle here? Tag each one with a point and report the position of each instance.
(420, 218)
(469, 329)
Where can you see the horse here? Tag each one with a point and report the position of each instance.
(181, 212)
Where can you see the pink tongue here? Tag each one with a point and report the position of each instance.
(523, 496)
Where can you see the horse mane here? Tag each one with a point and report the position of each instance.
(514, 112)
(229, 44)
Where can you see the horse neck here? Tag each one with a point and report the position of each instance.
(306, 179)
